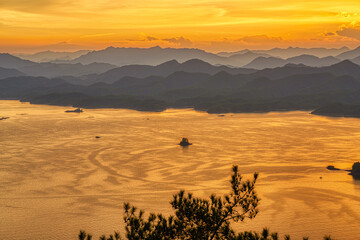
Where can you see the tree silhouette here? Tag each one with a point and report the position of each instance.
(198, 218)
(83, 235)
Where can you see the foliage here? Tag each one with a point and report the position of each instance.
(198, 218)
(83, 235)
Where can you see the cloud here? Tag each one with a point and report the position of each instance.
(351, 32)
(328, 34)
(181, 41)
(151, 38)
(259, 39)
(28, 6)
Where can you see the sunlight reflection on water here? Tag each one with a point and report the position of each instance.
(57, 178)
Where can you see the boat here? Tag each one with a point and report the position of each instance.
(185, 142)
(78, 110)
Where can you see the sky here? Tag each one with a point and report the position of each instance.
(212, 25)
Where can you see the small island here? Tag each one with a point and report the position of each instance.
(355, 171)
(185, 142)
(78, 110)
(3, 118)
(332, 168)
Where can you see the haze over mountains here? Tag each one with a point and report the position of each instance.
(294, 51)
(154, 79)
(309, 60)
(51, 56)
(157, 55)
(49, 69)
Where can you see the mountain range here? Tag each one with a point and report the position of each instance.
(158, 55)
(157, 78)
(291, 87)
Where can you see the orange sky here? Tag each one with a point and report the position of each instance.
(213, 25)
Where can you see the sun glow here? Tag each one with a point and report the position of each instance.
(209, 24)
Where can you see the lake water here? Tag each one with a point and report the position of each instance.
(57, 178)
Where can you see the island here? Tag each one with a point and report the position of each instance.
(78, 110)
(355, 171)
(3, 118)
(332, 168)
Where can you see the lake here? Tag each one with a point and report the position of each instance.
(57, 178)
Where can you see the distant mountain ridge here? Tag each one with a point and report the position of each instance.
(12, 62)
(351, 54)
(51, 70)
(293, 52)
(51, 56)
(157, 55)
(308, 60)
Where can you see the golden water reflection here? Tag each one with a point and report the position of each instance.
(57, 178)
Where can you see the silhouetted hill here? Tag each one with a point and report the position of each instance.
(356, 60)
(245, 58)
(338, 110)
(308, 60)
(52, 70)
(6, 73)
(313, 61)
(351, 54)
(163, 70)
(309, 84)
(18, 87)
(342, 68)
(345, 67)
(12, 62)
(266, 62)
(197, 65)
